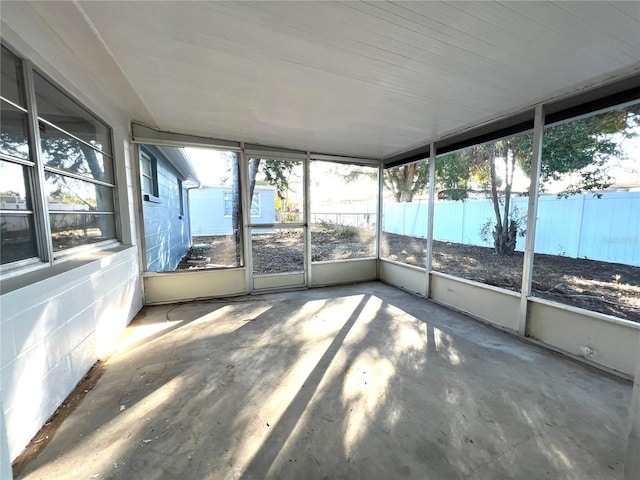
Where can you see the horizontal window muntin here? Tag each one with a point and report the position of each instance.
(20, 161)
(6, 211)
(76, 212)
(13, 104)
(57, 108)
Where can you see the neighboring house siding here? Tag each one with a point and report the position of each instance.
(166, 231)
(207, 214)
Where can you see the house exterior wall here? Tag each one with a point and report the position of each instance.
(57, 320)
(54, 330)
(208, 214)
(166, 229)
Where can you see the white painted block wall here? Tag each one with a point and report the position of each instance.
(5, 464)
(54, 330)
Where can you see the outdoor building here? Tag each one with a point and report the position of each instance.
(320, 240)
(164, 208)
(211, 209)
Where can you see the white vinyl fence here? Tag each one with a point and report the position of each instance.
(581, 226)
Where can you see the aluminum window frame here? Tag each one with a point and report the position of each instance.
(46, 254)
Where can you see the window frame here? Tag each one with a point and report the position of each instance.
(181, 198)
(154, 195)
(37, 195)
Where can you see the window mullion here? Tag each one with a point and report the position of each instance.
(37, 179)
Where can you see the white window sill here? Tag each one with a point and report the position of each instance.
(46, 271)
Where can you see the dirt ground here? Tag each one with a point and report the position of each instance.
(609, 288)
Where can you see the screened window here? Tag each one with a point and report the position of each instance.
(480, 212)
(343, 211)
(587, 252)
(56, 184)
(404, 214)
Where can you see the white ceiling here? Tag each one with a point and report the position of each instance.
(354, 78)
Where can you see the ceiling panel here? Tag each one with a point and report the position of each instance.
(349, 78)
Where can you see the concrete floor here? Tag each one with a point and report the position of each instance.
(357, 382)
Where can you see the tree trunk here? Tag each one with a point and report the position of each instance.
(505, 231)
(254, 165)
(504, 240)
(98, 174)
(401, 182)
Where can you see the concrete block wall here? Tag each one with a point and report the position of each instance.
(54, 330)
(57, 321)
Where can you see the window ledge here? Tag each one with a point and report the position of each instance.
(151, 198)
(47, 271)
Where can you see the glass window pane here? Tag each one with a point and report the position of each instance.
(277, 250)
(480, 212)
(12, 82)
(404, 217)
(18, 239)
(279, 183)
(587, 249)
(145, 163)
(66, 153)
(343, 211)
(73, 229)
(65, 193)
(147, 185)
(14, 186)
(14, 137)
(55, 107)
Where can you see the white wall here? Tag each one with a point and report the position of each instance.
(613, 341)
(5, 464)
(57, 321)
(53, 331)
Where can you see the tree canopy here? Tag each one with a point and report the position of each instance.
(580, 147)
